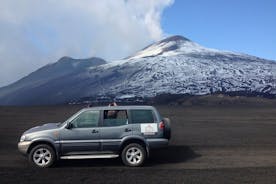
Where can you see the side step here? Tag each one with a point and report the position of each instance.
(89, 156)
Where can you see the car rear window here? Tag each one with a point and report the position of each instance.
(142, 116)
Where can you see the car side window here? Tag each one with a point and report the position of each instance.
(115, 118)
(86, 119)
(142, 116)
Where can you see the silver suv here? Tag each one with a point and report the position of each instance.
(98, 132)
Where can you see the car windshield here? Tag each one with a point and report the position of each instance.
(70, 119)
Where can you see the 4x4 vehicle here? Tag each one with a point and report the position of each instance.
(98, 132)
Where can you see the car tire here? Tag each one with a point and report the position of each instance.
(133, 155)
(42, 156)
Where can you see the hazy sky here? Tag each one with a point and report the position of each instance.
(34, 33)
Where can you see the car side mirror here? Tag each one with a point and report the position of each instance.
(69, 125)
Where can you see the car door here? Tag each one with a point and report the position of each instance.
(82, 134)
(114, 126)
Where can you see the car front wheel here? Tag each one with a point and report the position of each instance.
(42, 155)
(133, 155)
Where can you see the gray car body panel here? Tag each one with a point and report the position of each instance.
(75, 141)
(47, 126)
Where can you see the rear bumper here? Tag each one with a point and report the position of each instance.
(24, 146)
(157, 143)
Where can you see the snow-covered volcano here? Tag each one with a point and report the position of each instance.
(171, 46)
(175, 65)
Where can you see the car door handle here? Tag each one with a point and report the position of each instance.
(127, 130)
(94, 131)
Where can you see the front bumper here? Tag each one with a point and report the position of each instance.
(24, 146)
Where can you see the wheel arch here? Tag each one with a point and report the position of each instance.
(137, 140)
(43, 141)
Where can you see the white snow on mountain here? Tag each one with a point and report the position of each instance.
(178, 66)
(174, 46)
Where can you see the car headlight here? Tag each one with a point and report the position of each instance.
(22, 138)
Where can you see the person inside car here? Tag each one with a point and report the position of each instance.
(111, 114)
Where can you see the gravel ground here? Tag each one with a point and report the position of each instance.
(208, 145)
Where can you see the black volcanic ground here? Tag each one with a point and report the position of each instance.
(215, 144)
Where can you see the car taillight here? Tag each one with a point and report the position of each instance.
(161, 125)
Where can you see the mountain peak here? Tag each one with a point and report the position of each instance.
(68, 62)
(168, 46)
(65, 58)
(175, 38)
(70, 59)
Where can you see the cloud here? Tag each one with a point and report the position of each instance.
(34, 33)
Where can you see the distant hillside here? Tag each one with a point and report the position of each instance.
(52, 84)
(214, 100)
(175, 65)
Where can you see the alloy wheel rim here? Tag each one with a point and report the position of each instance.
(42, 156)
(134, 155)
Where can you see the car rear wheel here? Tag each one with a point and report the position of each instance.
(133, 155)
(42, 155)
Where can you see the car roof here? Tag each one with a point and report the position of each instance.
(123, 107)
